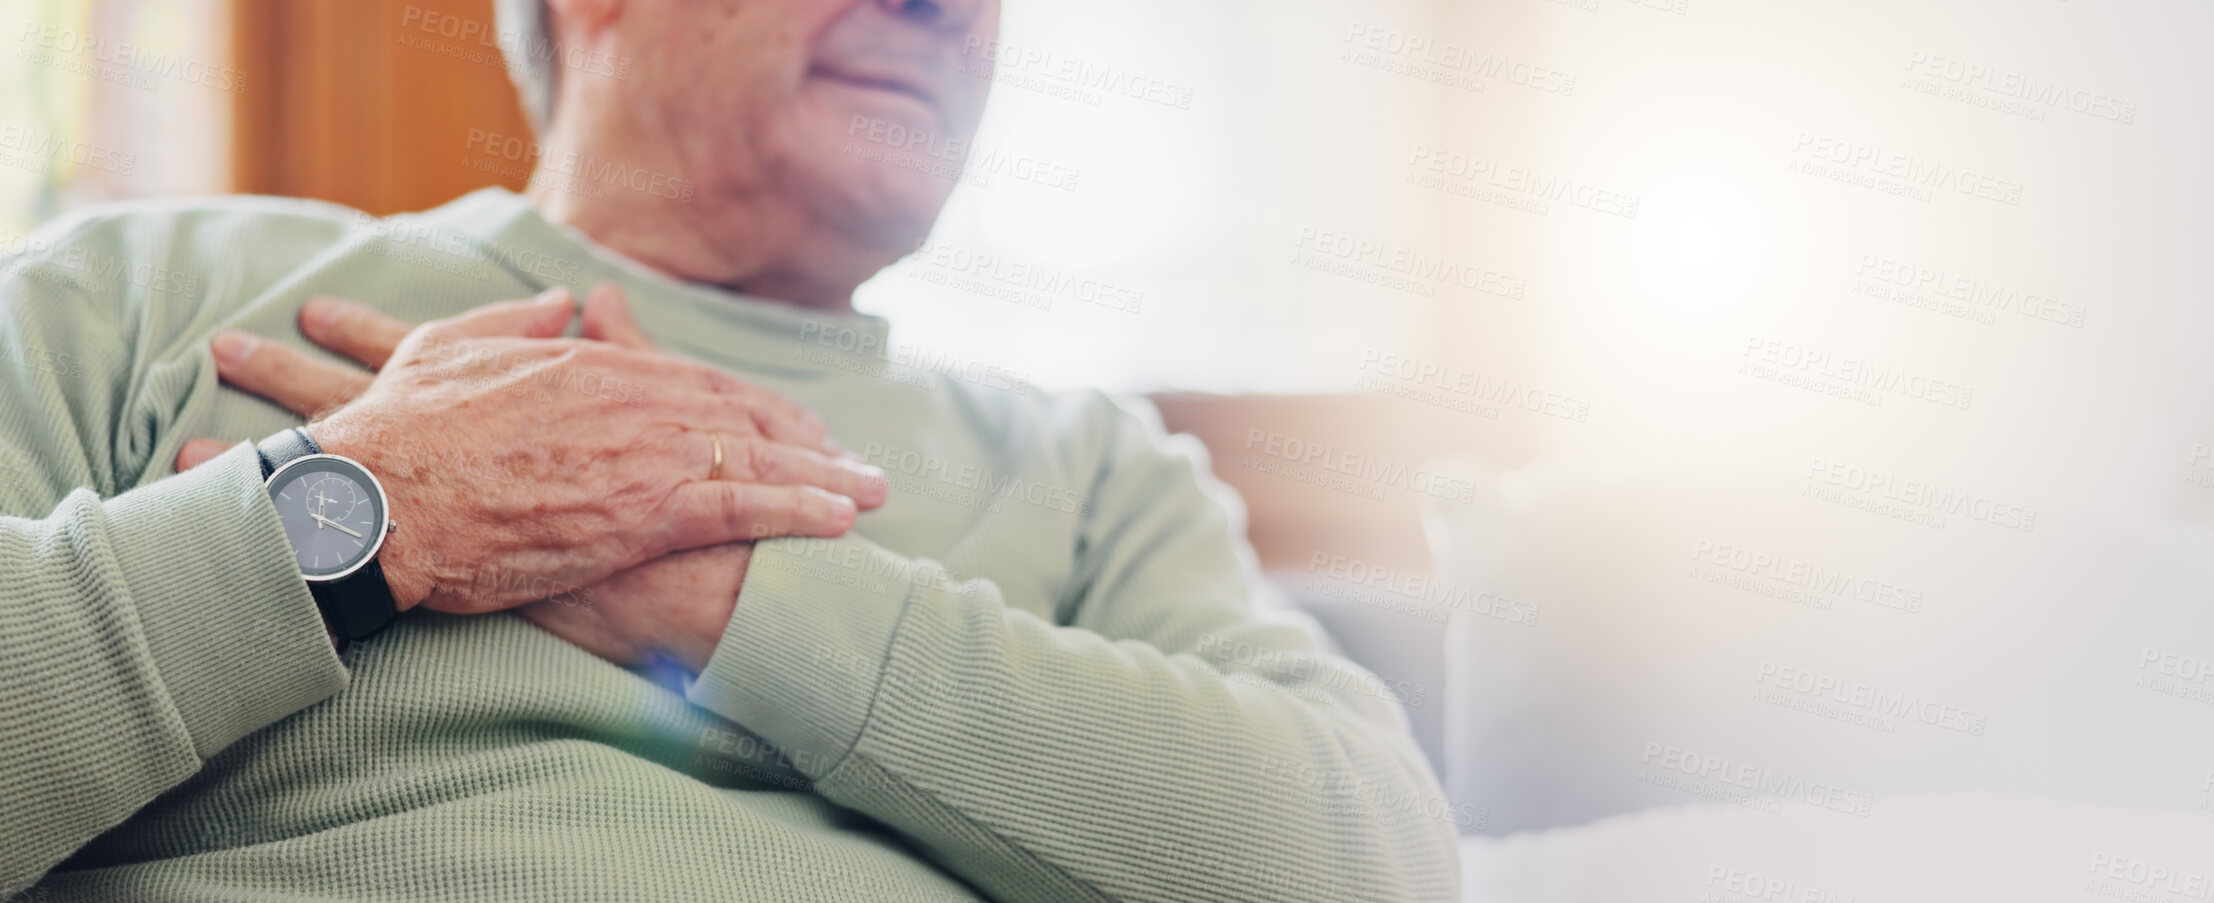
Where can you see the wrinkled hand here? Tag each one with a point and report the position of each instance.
(676, 597)
(674, 606)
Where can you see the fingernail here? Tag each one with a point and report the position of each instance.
(319, 314)
(235, 347)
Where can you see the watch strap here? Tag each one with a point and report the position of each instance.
(359, 605)
(282, 448)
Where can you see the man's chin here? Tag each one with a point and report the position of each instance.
(893, 238)
(879, 214)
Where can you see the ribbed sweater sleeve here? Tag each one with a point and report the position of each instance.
(1157, 741)
(139, 633)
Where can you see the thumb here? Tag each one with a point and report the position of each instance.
(607, 319)
(542, 317)
(198, 452)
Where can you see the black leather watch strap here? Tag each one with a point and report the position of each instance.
(283, 447)
(360, 604)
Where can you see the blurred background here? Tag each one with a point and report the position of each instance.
(1818, 388)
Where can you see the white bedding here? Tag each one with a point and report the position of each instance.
(1949, 849)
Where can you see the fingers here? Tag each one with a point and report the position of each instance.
(607, 319)
(750, 408)
(354, 330)
(198, 452)
(754, 460)
(713, 513)
(541, 317)
(289, 377)
(585, 627)
(718, 400)
(735, 403)
(368, 336)
(768, 414)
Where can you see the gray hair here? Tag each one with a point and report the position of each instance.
(527, 40)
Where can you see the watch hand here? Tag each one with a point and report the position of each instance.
(319, 521)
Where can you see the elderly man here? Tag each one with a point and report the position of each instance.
(708, 589)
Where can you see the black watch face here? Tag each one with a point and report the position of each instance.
(333, 512)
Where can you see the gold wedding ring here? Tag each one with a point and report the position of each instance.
(715, 470)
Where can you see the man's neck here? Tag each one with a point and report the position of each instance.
(674, 228)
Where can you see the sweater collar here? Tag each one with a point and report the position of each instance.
(701, 321)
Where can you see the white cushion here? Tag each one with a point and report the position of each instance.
(1702, 634)
(1939, 849)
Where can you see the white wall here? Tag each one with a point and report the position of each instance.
(1742, 354)
(1194, 198)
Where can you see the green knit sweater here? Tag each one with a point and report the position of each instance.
(1034, 674)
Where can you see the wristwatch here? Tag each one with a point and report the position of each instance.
(334, 511)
